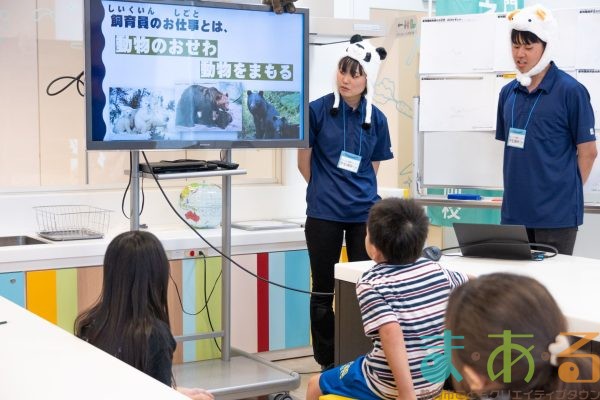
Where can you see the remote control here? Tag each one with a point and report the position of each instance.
(224, 164)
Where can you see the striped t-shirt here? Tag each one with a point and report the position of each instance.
(415, 296)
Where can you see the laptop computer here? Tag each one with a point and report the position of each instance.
(507, 242)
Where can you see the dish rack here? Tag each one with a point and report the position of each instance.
(72, 222)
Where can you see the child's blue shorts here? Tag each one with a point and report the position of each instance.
(347, 380)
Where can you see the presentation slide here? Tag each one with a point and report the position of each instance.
(181, 72)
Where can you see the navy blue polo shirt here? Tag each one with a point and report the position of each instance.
(542, 182)
(335, 194)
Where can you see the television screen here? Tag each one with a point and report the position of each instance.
(194, 74)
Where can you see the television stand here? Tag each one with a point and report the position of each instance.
(244, 374)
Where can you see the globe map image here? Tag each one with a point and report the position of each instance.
(200, 205)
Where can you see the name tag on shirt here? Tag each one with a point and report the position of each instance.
(349, 162)
(516, 138)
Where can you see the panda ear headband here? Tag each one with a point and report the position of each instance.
(370, 59)
(539, 21)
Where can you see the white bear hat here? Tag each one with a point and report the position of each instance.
(370, 59)
(539, 21)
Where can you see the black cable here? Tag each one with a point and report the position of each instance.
(209, 295)
(125, 195)
(127, 189)
(206, 299)
(73, 79)
(219, 251)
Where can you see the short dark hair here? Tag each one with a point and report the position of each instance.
(398, 228)
(525, 37)
(349, 64)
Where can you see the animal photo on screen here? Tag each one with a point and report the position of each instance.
(271, 114)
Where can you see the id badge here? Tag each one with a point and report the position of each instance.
(516, 138)
(349, 162)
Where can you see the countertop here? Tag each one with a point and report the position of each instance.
(571, 280)
(177, 240)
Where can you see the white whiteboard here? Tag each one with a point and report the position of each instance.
(471, 159)
(567, 37)
(502, 49)
(588, 38)
(457, 44)
(475, 109)
(590, 78)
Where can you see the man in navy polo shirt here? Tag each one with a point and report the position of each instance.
(547, 123)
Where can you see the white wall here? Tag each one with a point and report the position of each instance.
(359, 9)
(554, 4)
(248, 203)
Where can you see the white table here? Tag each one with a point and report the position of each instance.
(573, 281)
(39, 360)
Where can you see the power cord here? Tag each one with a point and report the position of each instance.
(433, 253)
(73, 79)
(219, 251)
(127, 189)
(207, 307)
(553, 251)
(206, 298)
(186, 312)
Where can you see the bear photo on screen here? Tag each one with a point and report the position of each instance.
(200, 105)
(271, 114)
(140, 113)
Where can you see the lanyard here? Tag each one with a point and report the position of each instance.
(344, 125)
(512, 114)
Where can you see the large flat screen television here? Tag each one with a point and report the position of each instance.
(194, 75)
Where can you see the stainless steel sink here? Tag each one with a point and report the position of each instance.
(19, 241)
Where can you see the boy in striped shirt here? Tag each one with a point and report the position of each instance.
(402, 300)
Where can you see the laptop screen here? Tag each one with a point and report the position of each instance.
(493, 241)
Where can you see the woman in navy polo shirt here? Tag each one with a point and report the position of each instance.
(547, 123)
(347, 141)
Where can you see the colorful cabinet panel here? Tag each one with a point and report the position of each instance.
(283, 315)
(12, 287)
(264, 317)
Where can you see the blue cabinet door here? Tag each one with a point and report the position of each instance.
(12, 287)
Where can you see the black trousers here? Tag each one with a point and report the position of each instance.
(324, 242)
(561, 238)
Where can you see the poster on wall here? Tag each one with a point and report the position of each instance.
(194, 75)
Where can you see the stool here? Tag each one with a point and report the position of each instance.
(445, 395)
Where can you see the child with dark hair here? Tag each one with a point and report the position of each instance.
(130, 320)
(402, 301)
(506, 304)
